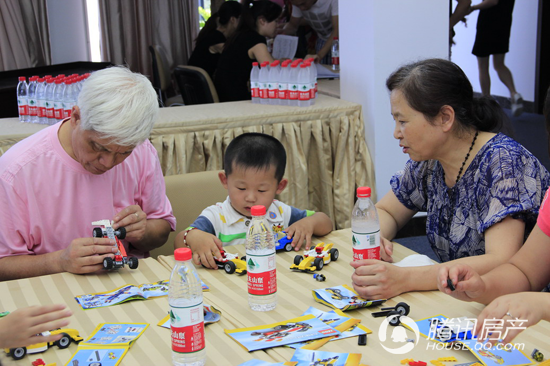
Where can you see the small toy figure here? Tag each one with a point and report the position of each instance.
(401, 309)
(537, 355)
(319, 277)
(69, 335)
(231, 263)
(314, 259)
(121, 259)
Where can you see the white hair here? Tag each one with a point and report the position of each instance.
(119, 105)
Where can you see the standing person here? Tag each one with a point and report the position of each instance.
(481, 191)
(211, 39)
(247, 44)
(322, 16)
(494, 23)
(98, 164)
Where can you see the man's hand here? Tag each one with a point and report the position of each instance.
(85, 255)
(134, 220)
(374, 279)
(20, 328)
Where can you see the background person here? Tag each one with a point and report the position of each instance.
(211, 39)
(99, 164)
(481, 190)
(248, 44)
(512, 290)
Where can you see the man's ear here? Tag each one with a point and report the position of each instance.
(223, 179)
(75, 116)
(446, 117)
(282, 185)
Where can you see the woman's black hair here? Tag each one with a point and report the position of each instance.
(430, 84)
(252, 10)
(228, 10)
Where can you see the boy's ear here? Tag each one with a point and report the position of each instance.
(282, 185)
(223, 179)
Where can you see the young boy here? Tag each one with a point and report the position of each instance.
(254, 168)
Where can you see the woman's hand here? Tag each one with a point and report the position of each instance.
(467, 283)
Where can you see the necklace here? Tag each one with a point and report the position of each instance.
(466, 157)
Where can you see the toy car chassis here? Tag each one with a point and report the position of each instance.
(315, 258)
(69, 335)
(105, 230)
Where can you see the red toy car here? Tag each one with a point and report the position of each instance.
(121, 259)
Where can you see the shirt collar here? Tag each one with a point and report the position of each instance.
(232, 216)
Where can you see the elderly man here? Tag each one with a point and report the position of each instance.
(99, 164)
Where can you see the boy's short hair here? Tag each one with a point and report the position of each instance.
(255, 150)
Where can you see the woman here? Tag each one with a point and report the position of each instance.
(481, 190)
(526, 272)
(211, 39)
(248, 44)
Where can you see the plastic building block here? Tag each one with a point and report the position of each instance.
(446, 359)
(105, 230)
(40, 362)
(437, 363)
(319, 277)
(406, 361)
(362, 340)
(450, 284)
(417, 363)
(315, 258)
(537, 355)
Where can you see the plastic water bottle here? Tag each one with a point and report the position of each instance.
(186, 312)
(273, 83)
(50, 101)
(313, 80)
(335, 54)
(33, 100)
(68, 98)
(260, 262)
(254, 83)
(22, 101)
(365, 227)
(304, 94)
(293, 85)
(283, 83)
(41, 97)
(264, 75)
(58, 99)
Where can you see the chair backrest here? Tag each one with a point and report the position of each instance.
(195, 85)
(189, 194)
(161, 76)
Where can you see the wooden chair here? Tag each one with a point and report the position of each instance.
(161, 78)
(195, 85)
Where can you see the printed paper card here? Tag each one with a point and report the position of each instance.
(299, 329)
(126, 293)
(107, 344)
(343, 298)
(334, 318)
(499, 354)
(310, 357)
(211, 315)
(255, 362)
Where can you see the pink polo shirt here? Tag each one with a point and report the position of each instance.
(543, 220)
(47, 199)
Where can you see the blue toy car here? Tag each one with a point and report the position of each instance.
(284, 243)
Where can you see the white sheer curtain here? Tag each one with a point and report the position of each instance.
(24, 34)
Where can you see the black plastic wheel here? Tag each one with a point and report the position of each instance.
(121, 233)
(64, 341)
(403, 308)
(318, 263)
(97, 233)
(18, 353)
(298, 259)
(288, 247)
(108, 263)
(394, 318)
(229, 267)
(334, 254)
(133, 262)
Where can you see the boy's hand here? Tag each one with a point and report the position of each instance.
(299, 231)
(205, 247)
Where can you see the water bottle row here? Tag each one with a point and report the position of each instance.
(47, 100)
(292, 83)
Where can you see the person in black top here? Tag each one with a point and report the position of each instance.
(211, 39)
(248, 44)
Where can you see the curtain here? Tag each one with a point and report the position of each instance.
(24, 34)
(129, 27)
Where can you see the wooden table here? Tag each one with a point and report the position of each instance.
(152, 348)
(229, 293)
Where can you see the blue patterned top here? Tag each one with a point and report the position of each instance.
(503, 179)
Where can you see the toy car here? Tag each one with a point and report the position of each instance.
(280, 331)
(284, 243)
(315, 259)
(537, 355)
(450, 331)
(121, 259)
(69, 335)
(231, 263)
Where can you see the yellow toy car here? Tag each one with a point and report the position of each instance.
(316, 258)
(69, 335)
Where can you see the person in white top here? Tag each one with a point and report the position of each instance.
(322, 16)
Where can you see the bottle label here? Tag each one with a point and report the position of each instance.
(304, 93)
(263, 90)
(283, 91)
(33, 110)
(58, 113)
(23, 110)
(67, 113)
(49, 111)
(366, 245)
(312, 90)
(273, 93)
(187, 325)
(255, 89)
(262, 275)
(293, 91)
(41, 108)
(335, 60)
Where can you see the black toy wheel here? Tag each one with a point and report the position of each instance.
(394, 318)
(288, 247)
(18, 353)
(298, 259)
(64, 341)
(133, 262)
(318, 263)
(334, 254)
(403, 308)
(121, 233)
(108, 263)
(97, 233)
(230, 267)
(243, 258)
